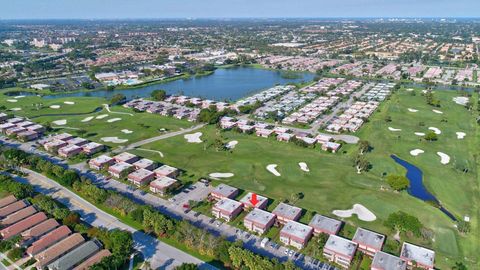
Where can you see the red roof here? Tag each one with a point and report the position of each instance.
(49, 239)
(11, 208)
(40, 229)
(19, 215)
(23, 225)
(7, 200)
(93, 260)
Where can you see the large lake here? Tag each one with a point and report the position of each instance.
(224, 84)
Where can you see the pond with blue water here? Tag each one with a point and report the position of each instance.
(417, 188)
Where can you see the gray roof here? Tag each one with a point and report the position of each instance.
(369, 238)
(386, 261)
(259, 216)
(341, 245)
(75, 256)
(324, 223)
(419, 254)
(225, 190)
(297, 230)
(287, 211)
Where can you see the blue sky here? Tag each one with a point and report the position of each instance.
(110, 9)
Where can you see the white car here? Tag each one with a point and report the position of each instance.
(290, 254)
(286, 251)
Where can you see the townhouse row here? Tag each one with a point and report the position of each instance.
(353, 118)
(51, 245)
(69, 146)
(139, 171)
(21, 128)
(293, 233)
(282, 134)
(164, 108)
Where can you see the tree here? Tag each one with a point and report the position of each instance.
(398, 182)
(431, 136)
(404, 222)
(187, 266)
(361, 163)
(159, 95)
(117, 99)
(363, 146)
(72, 219)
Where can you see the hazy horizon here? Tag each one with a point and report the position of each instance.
(237, 9)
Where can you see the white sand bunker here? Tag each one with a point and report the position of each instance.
(409, 89)
(113, 120)
(412, 110)
(435, 130)
(461, 100)
(361, 211)
(231, 145)
(87, 119)
(460, 135)
(273, 169)
(419, 133)
(69, 102)
(12, 100)
(416, 152)
(221, 175)
(21, 96)
(101, 116)
(444, 158)
(60, 122)
(193, 138)
(54, 106)
(303, 166)
(15, 109)
(126, 131)
(437, 111)
(114, 140)
(394, 129)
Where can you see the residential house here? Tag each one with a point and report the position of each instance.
(385, 261)
(101, 162)
(259, 221)
(368, 242)
(92, 148)
(48, 240)
(417, 256)
(34, 233)
(247, 201)
(286, 213)
(126, 157)
(97, 257)
(12, 208)
(7, 200)
(22, 225)
(339, 250)
(163, 185)
(141, 177)
(323, 224)
(295, 234)
(69, 151)
(166, 170)
(17, 216)
(223, 191)
(145, 163)
(120, 170)
(227, 209)
(76, 256)
(57, 250)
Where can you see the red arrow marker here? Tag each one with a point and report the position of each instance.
(254, 199)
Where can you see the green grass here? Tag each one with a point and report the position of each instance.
(333, 183)
(143, 125)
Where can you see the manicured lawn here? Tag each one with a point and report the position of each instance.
(333, 183)
(142, 125)
(455, 189)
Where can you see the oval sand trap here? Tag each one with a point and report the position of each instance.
(444, 158)
(69, 102)
(60, 122)
(12, 100)
(361, 211)
(101, 116)
(21, 96)
(394, 129)
(193, 138)
(114, 140)
(435, 130)
(461, 100)
(231, 145)
(221, 175)
(419, 133)
(303, 166)
(273, 169)
(113, 120)
(460, 135)
(15, 109)
(412, 110)
(87, 119)
(54, 106)
(416, 152)
(437, 111)
(126, 131)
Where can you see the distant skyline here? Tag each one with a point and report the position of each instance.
(152, 9)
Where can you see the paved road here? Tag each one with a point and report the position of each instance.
(160, 137)
(158, 253)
